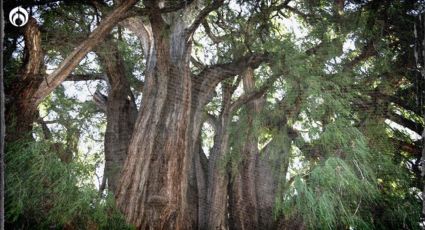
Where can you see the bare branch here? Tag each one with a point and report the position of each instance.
(407, 123)
(142, 30)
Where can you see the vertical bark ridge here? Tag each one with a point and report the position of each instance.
(244, 196)
(153, 192)
(121, 112)
(218, 177)
(22, 112)
(254, 186)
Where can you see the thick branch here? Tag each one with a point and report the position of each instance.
(202, 15)
(205, 82)
(295, 11)
(66, 67)
(212, 120)
(141, 30)
(214, 74)
(137, 11)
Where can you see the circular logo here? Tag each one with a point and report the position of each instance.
(18, 16)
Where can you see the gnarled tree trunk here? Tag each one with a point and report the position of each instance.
(154, 184)
(156, 191)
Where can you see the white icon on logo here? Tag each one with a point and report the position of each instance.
(18, 16)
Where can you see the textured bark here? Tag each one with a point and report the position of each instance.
(218, 180)
(266, 188)
(157, 187)
(153, 193)
(218, 177)
(198, 184)
(244, 213)
(121, 112)
(68, 65)
(21, 112)
(254, 186)
(32, 86)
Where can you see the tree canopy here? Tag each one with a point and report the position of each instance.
(215, 114)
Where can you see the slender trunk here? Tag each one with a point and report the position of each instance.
(254, 187)
(244, 198)
(218, 178)
(218, 173)
(198, 184)
(121, 113)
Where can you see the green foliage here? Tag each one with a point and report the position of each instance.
(44, 192)
(338, 185)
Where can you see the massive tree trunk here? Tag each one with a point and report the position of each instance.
(156, 191)
(154, 184)
(121, 112)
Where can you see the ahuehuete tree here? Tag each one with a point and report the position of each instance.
(249, 179)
